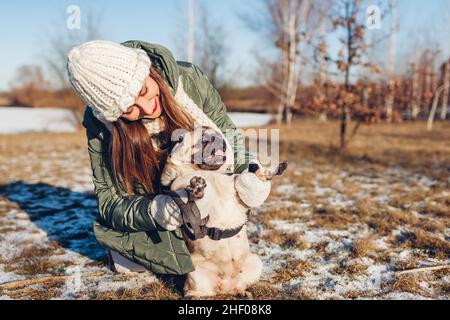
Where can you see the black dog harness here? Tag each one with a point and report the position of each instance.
(193, 225)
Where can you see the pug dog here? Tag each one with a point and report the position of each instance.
(223, 265)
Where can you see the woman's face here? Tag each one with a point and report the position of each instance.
(147, 105)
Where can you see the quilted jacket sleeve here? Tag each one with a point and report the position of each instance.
(116, 211)
(215, 109)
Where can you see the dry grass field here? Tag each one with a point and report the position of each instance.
(363, 225)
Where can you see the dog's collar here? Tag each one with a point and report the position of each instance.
(219, 234)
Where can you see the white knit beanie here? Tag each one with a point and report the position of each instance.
(108, 76)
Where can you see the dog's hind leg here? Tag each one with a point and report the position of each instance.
(250, 272)
(203, 282)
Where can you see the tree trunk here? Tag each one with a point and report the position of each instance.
(389, 106)
(428, 80)
(446, 90)
(345, 112)
(434, 107)
(323, 74)
(345, 117)
(293, 60)
(391, 66)
(416, 87)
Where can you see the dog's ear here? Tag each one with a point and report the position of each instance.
(211, 154)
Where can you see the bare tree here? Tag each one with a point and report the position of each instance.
(389, 105)
(212, 51)
(374, 53)
(432, 114)
(416, 88)
(287, 23)
(29, 86)
(323, 76)
(446, 90)
(436, 91)
(57, 44)
(321, 63)
(429, 75)
(203, 40)
(446, 71)
(347, 19)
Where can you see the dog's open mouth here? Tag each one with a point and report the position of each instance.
(212, 154)
(217, 157)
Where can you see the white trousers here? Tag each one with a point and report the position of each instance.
(124, 265)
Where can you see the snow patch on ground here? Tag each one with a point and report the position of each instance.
(47, 208)
(249, 119)
(17, 120)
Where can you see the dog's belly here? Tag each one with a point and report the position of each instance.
(226, 266)
(222, 261)
(222, 250)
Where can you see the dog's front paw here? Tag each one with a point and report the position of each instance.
(197, 187)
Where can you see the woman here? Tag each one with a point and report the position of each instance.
(137, 96)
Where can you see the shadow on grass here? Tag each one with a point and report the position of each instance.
(64, 215)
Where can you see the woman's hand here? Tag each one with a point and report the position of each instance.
(167, 213)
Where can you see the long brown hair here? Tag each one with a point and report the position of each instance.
(133, 157)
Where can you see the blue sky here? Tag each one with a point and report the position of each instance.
(25, 23)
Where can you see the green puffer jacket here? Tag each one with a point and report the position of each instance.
(124, 224)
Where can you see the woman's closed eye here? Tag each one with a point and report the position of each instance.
(129, 110)
(143, 91)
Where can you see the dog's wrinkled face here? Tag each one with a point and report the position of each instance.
(204, 149)
(210, 150)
